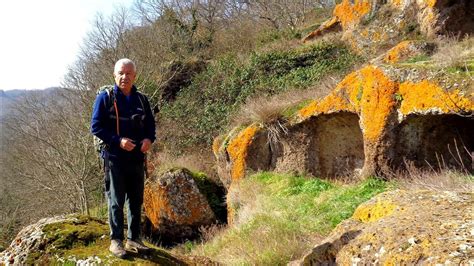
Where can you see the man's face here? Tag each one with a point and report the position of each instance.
(124, 77)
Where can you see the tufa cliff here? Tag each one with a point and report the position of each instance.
(379, 119)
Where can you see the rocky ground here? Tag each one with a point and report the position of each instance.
(403, 227)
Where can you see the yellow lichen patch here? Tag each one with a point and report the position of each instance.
(238, 148)
(372, 212)
(365, 33)
(330, 23)
(431, 3)
(327, 26)
(353, 88)
(425, 96)
(377, 101)
(309, 110)
(153, 203)
(397, 3)
(367, 92)
(349, 14)
(331, 103)
(337, 100)
(397, 52)
(413, 252)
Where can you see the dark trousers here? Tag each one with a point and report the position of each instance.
(124, 184)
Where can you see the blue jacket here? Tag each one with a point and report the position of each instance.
(104, 123)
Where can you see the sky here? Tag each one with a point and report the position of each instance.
(39, 39)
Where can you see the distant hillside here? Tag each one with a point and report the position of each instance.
(9, 96)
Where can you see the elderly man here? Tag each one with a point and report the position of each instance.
(123, 120)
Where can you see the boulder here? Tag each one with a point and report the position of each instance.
(175, 206)
(80, 240)
(38, 242)
(402, 227)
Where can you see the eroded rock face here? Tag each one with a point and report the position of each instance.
(377, 120)
(430, 17)
(402, 227)
(175, 207)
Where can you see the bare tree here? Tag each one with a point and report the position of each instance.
(284, 13)
(51, 152)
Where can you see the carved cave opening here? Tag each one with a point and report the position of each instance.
(434, 142)
(338, 146)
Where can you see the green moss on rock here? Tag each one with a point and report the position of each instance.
(214, 194)
(81, 231)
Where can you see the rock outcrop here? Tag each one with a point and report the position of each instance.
(44, 241)
(381, 118)
(175, 206)
(79, 240)
(376, 121)
(402, 227)
(367, 23)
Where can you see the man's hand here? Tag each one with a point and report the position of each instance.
(146, 144)
(127, 144)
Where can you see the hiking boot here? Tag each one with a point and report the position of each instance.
(137, 246)
(116, 247)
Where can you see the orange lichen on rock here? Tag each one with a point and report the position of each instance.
(175, 198)
(238, 148)
(397, 52)
(413, 252)
(402, 227)
(349, 14)
(372, 212)
(337, 100)
(331, 25)
(368, 92)
(431, 3)
(397, 3)
(377, 101)
(426, 96)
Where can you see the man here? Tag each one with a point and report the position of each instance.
(123, 120)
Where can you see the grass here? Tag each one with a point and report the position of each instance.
(279, 217)
(445, 180)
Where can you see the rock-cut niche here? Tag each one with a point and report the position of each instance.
(435, 142)
(338, 145)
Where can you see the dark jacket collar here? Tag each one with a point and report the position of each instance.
(117, 90)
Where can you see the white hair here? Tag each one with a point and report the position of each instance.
(124, 61)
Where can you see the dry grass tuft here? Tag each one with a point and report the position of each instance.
(453, 52)
(269, 110)
(445, 180)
